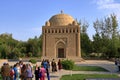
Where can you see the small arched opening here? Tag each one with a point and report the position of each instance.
(60, 50)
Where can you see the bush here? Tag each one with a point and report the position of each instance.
(33, 61)
(67, 64)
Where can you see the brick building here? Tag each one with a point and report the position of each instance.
(61, 38)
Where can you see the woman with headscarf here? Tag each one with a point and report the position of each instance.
(42, 71)
(59, 65)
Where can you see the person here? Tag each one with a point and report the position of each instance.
(48, 74)
(23, 72)
(42, 62)
(5, 71)
(118, 64)
(36, 72)
(21, 63)
(29, 75)
(47, 66)
(17, 71)
(42, 71)
(59, 65)
(12, 73)
(54, 66)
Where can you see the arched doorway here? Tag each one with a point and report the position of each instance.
(60, 50)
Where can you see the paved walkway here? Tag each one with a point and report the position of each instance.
(110, 66)
(102, 63)
(105, 64)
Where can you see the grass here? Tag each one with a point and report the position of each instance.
(85, 76)
(0, 77)
(88, 68)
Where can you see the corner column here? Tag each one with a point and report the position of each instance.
(43, 46)
(78, 43)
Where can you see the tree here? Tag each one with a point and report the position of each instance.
(35, 46)
(86, 46)
(107, 30)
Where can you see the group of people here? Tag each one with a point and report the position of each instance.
(19, 71)
(22, 71)
(45, 69)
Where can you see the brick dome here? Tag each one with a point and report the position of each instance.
(61, 20)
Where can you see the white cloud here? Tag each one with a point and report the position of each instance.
(107, 4)
(102, 2)
(111, 6)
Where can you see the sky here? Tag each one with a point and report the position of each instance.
(24, 18)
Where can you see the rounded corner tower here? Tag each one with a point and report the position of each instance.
(61, 38)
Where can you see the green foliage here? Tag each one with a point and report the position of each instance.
(107, 37)
(34, 46)
(86, 46)
(30, 54)
(33, 61)
(68, 64)
(13, 49)
(85, 76)
(88, 68)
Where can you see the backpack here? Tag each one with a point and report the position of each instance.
(11, 73)
(40, 74)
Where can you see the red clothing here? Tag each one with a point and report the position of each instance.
(43, 71)
(59, 65)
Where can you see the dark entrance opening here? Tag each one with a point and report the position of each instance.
(61, 53)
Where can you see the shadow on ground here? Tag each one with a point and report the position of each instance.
(52, 76)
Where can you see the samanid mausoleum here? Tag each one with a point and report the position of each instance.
(61, 38)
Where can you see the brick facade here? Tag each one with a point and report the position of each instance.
(61, 38)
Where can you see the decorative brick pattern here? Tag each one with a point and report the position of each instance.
(61, 32)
